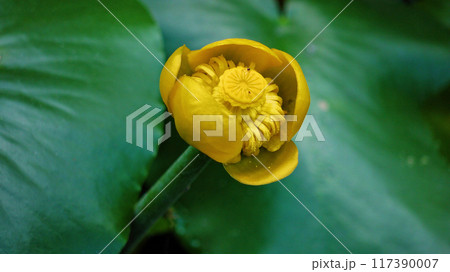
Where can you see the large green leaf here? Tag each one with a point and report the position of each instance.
(378, 182)
(69, 75)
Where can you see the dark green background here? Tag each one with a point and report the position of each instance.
(379, 83)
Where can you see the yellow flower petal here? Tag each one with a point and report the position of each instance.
(293, 90)
(175, 66)
(185, 106)
(280, 163)
(237, 50)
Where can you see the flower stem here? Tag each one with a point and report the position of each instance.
(164, 193)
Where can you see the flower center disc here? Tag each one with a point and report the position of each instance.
(242, 86)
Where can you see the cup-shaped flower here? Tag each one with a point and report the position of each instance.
(240, 103)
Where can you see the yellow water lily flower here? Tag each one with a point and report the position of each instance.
(231, 100)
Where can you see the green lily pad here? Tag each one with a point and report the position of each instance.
(379, 181)
(69, 76)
